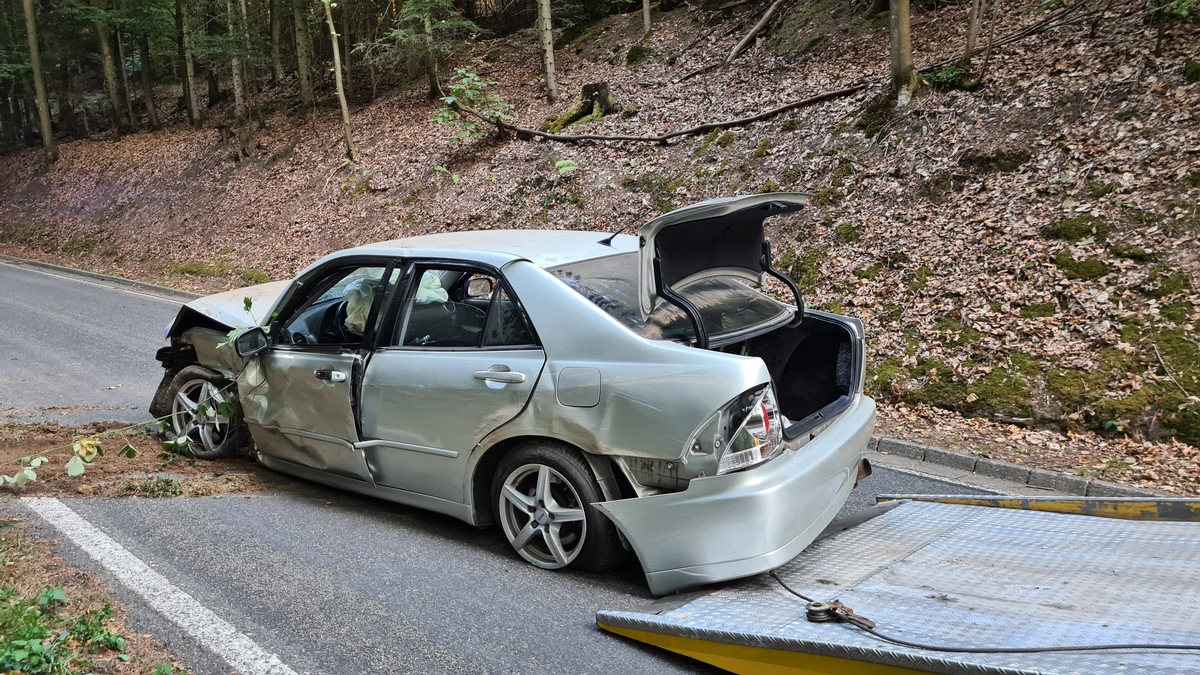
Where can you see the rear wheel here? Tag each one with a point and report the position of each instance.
(543, 492)
(205, 413)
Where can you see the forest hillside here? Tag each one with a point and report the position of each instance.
(1023, 249)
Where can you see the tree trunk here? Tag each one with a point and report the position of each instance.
(905, 78)
(645, 17)
(276, 36)
(345, 5)
(126, 94)
(337, 74)
(303, 51)
(546, 35)
(148, 85)
(111, 83)
(188, 79)
(595, 101)
(973, 19)
(214, 87)
(435, 88)
(235, 67)
(39, 85)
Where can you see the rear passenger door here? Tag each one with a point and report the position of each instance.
(457, 360)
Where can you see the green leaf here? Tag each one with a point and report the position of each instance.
(247, 303)
(38, 461)
(128, 451)
(76, 466)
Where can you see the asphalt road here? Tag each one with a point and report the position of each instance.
(76, 350)
(328, 582)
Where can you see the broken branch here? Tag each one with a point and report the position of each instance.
(524, 133)
(745, 41)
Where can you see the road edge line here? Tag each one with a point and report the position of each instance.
(202, 624)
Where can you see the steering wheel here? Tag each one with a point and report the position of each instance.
(333, 325)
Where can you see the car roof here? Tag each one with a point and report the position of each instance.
(546, 248)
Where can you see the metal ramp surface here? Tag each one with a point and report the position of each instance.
(954, 575)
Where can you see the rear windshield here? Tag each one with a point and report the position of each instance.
(726, 305)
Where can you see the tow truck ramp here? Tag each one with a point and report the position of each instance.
(1002, 579)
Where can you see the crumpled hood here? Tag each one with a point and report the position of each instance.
(229, 307)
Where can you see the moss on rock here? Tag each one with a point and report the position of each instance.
(803, 267)
(1078, 228)
(846, 233)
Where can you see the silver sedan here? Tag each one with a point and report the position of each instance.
(594, 395)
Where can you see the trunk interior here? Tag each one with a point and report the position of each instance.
(815, 367)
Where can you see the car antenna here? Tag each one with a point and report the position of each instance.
(607, 241)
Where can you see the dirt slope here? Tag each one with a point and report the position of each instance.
(1025, 253)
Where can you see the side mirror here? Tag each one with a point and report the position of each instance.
(479, 287)
(251, 342)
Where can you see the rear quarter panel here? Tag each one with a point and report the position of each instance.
(652, 394)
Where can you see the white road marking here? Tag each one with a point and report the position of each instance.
(90, 282)
(210, 630)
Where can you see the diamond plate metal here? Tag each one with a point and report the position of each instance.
(969, 576)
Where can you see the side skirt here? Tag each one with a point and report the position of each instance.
(453, 509)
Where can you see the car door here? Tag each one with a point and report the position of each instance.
(300, 396)
(459, 359)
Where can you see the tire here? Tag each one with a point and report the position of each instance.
(198, 415)
(543, 494)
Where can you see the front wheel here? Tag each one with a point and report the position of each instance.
(543, 494)
(204, 413)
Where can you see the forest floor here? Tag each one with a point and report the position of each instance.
(1025, 256)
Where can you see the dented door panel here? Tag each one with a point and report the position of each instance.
(298, 406)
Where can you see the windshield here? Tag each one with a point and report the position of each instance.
(726, 305)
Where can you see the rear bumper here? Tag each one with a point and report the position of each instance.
(744, 523)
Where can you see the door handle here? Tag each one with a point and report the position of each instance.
(507, 376)
(330, 375)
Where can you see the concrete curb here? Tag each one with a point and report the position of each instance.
(153, 289)
(1052, 481)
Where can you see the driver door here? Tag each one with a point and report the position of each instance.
(299, 397)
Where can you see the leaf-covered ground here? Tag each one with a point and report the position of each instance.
(1024, 255)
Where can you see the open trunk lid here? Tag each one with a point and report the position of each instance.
(719, 237)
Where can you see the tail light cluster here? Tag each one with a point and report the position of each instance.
(759, 431)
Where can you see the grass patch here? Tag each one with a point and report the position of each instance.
(199, 268)
(161, 487)
(1088, 269)
(764, 148)
(870, 272)
(1162, 283)
(959, 333)
(254, 276)
(920, 278)
(1038, 310)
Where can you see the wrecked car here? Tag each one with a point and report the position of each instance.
(593, 395)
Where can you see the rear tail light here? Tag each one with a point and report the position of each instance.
(758, 438)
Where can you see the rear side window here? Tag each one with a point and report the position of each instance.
(726, 305)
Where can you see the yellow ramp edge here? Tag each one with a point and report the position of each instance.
(1122, 508)
(754, 660)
